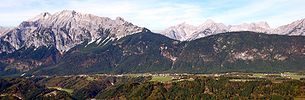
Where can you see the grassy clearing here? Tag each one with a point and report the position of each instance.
(295, 76)
(299, 98)
(70, 91)
(90, 78)
(161, 78)
(190, 79)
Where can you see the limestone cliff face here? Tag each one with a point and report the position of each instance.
(64, 30)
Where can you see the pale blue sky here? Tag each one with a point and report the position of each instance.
(160, 14)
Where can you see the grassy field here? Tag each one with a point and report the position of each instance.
(299, 98)
(242, 80)
(295, 76)
(190, 79)
(70, 91)
(161, 78)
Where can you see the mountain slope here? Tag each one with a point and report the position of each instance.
(243, 51)
(65, 30)
(295, 28)
(141, 52)
(150, 52)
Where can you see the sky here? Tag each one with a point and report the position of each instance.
(160, 14)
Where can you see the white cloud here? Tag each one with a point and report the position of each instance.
(275, 12)
(151, 13)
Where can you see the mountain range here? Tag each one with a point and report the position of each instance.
(69, 42)
(185, 32)
(65, 30)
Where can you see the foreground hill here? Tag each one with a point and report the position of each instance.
(150, 52)
(243, 51)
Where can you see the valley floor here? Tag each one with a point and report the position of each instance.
(234, 85)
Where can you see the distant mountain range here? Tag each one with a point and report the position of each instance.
(185, 32)
(68, 43)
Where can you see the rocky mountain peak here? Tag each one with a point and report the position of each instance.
(67, 29)
(294, 28)
(41, 16)
(68, 13)
(119, 19)
(184, 29)
(263, 24)
(208, 22)
(255, 27)
(4, 30)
